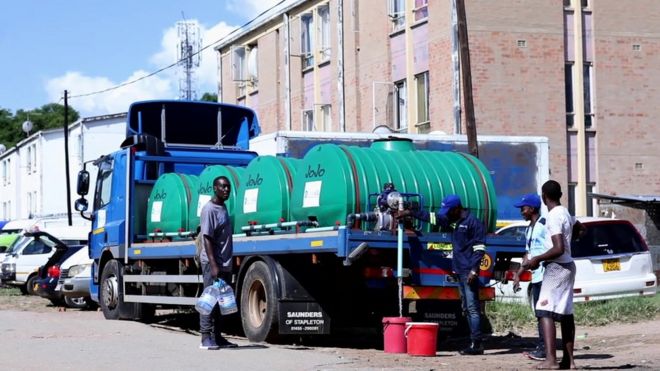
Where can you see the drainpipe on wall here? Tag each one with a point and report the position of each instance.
(578, 100)
(220, 77)
(411, 97)
(340, 65)
(287, 70)
(456, 74)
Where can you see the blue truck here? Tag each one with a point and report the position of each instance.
(292, 279)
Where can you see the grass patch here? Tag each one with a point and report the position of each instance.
(506, 317)
(10, 291)
(633, 309)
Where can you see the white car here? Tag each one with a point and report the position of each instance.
(612, 260)
(75, 277)
(19, 268)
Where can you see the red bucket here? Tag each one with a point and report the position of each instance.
(422, 338)
(394, 340)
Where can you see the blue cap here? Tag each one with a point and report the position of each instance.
(530, 199)
(448, 203)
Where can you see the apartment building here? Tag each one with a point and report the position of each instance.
(582, 73)
(34, 174)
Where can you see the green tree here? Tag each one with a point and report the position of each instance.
(46, 117)
(209, 97)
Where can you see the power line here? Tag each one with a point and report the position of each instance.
(175, 63)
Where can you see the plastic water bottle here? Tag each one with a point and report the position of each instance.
(226, 298)
(208, 299)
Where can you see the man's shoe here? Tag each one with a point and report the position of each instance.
(474, 349)
(208, 343)
(537, 355)
(224, 343)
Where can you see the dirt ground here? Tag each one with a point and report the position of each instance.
(620, 346)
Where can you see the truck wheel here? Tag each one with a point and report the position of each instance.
(29, 285)
(110, 297)
(259, 304)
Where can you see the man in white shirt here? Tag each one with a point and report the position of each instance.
(556, 298)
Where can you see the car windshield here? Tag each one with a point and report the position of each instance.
(607, 239)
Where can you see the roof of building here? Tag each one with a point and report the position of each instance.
(265, 17)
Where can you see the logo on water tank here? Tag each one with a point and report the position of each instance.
(160, 195)
(312, 173)
(206, 189)
(253, 182)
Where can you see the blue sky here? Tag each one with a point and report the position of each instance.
(90, 45)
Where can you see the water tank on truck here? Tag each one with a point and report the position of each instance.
(334, 181)
(205, 190)
(169, 204)
(264, 196)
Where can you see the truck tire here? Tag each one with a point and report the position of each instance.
(259, 304)
(110, 296)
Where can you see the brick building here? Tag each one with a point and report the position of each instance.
(351, 65)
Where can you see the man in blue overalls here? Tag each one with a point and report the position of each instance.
(468, 248)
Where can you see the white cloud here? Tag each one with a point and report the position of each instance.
(113, 101)
(164, 85)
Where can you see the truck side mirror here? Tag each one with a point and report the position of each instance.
(83, 183)
(81, 205)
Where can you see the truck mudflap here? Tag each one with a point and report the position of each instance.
(302, 318)
(442, 293)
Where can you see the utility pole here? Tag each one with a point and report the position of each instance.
(66, 155)
(464, 51)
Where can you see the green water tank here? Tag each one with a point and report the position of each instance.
(335, 180)
(170, 201)
(205, 190)
(265, 193)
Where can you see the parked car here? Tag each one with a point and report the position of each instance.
(33, 250)
(75, 277)
(612, 260)
(48, 276)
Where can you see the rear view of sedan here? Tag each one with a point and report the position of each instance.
(612, 261)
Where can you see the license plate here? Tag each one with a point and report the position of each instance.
(610, 265)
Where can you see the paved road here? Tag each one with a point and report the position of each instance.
(76, 340)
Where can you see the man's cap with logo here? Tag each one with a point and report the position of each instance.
(530, 199)
(448, 203)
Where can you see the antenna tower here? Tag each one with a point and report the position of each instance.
(189, 43)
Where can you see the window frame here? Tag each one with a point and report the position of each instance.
(401, 106)
(397, 14)
(307, 120)
(307, 36)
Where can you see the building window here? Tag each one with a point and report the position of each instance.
(253, 66)
(400, 105)
(587, 71)
(422, 82)
(34, 158)
(324, 32)
(421, 10)
(308, 120)
(326, 117)
(28, 160)
(6, 172)
(588, 96)
(572, 195)
(397, 13)
(239, 68)
(568, 78)
(307, 40)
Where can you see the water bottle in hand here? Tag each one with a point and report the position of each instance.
(208, 299)
(226, 298)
